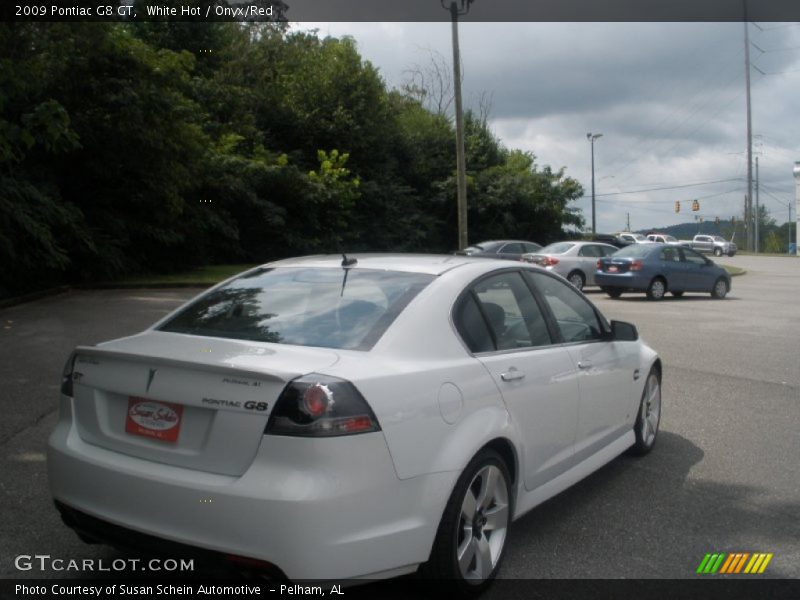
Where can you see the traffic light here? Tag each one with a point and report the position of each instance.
(695, 205)
(677, 206)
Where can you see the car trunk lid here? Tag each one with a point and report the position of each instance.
(189, 401)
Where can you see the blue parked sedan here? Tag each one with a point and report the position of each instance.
(660, 268)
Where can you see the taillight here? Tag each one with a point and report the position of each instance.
(321, 406)
(599, 264)
(549, 261)
(636, 265)
(66, 376)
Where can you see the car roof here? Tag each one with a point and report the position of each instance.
(432, 264)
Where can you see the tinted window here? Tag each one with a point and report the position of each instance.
(472, 326)
(528, 247)
(607, 250)
(670, 255)
(512, 249)
(334, 308)
(510, 313)
(576, 318)
(693, 257)
(589, 250)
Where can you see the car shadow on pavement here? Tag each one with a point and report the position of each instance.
(647, 517)
(699, 296)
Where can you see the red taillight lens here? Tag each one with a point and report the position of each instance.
(549, 261)
(636, 265)
(315, 400)
(321, 406)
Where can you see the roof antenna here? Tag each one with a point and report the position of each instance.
(348, 262)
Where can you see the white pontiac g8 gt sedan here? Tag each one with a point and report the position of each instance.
(330, 418)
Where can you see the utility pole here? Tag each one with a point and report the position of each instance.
(628, 221)
(796, 172)
(757, 213)
(748, 215)
(461, 161)
(592, 137)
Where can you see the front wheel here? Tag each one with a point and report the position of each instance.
(471, 538)
(649, 417)
(720, 289)
(717, 252)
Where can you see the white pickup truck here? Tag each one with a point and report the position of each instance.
(711, 244)
(662, 238)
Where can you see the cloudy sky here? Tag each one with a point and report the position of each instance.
(669, 99)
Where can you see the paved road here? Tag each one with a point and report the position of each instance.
(725, 475)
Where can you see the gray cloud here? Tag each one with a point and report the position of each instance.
(668, 97)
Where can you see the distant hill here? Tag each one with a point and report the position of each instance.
(686, 231)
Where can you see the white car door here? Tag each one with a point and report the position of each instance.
(607, 368)
(508, 332)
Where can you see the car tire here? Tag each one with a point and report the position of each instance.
(649, 416)
(677, 294)
(577, 279)
(717, 252)
(720, 289)
(612, 292)
(482, 497)
(657, 288)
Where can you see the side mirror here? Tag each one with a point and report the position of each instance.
(624, 332)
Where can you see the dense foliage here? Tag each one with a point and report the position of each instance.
(139, 148)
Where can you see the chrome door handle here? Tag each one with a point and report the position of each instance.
(585, 364)
(512, 375)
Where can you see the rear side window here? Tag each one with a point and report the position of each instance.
(326, 307)
(500, 313)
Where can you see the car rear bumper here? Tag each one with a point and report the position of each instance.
(628, 281)
(314, 508)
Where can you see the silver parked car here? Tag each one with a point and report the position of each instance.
(575, 261)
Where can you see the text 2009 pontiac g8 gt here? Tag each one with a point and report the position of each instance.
(352, 418)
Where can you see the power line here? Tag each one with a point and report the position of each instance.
(670, 187)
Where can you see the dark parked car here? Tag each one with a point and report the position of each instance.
(610, 238)
(660, 268)
(508, 249)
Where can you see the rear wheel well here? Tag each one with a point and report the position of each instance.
(657, 369)
(506, 451)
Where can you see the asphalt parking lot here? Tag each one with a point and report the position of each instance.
(724, 475)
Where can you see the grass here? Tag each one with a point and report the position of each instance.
(733, 271)
(782, 254)
(202, 276)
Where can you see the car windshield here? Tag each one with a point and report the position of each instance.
(634, 251)
(557, 248)
(719, 239)
(669, 238)
(638, 237)
(327, 307)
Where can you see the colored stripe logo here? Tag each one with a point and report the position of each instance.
(734, 563)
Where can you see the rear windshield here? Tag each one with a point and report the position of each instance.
(557, 248)
(331, 308)
(634, 251)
